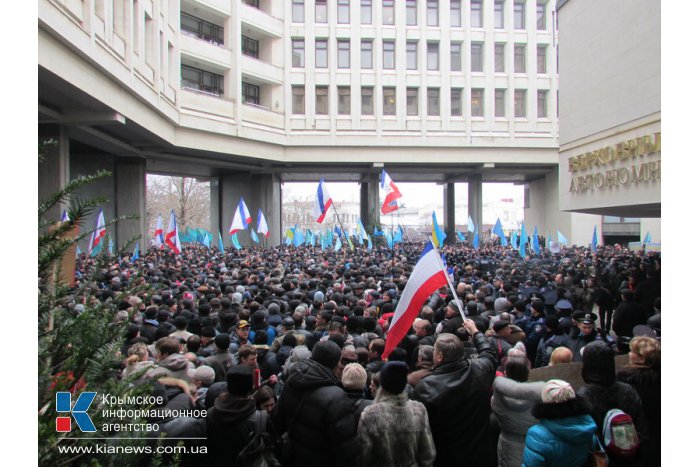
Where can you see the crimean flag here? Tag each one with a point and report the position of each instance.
(561, 238)
(221, 243)
(262, 224)
(172, 235)
(475, 242)
(322, 201)
(438, 236)
(428, 275)
(97, 235)
(158, 239)
(241, 218)
(523, 240)
(498, 230)
(460, 237)
(392, 193)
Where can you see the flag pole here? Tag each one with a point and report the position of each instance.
(341, 224)
(452, 288)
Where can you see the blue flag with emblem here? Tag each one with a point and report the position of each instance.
(498, 230)
(135, 256)
(535, 242)
(337, 244)
(398, 236)
(298, 239)
(389, 238)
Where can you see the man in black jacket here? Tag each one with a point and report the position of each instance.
(457, 398)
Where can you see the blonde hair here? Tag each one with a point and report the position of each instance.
(561, 355)
(648, 348)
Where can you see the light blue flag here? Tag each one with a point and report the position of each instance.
(594, 241)
(535, 242)
(337, 244)
(298, 239)
(221, 243)
(561, 238)
(206, 240)
(308, 239)
(475, 242)
(498, 230)
(369, 243)
(77, 251)
(470, 224)
(234, 240)
(110, 246)
(398, 236)
(460, 237)
(647, 237)
(549, 240)
(439, 235)
(523, 241)
(135, 256)
(514, 240)
(287, 241)
(376, 232)
(254, 236)
(389, 239)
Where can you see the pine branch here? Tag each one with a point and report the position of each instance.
(71, 187)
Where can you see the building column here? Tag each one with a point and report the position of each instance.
(369, 200)
(449, 211)
(54, 169)
(267, 196)
(130, 199)
(475, 200)
(215, 209)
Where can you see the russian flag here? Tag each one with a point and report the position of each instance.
(427, 276)
(241, 218)
(172, 235)
(392, 193)
(158, 236)
(262, 224)
(322, 202)
(97, 234)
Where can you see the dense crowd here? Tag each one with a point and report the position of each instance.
(286, 343)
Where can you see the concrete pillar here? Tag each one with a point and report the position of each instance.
(449, 211)
(215, 209)
(54, 169)
(260, 191)
(130, 200)
(475, 201)
(369, 200)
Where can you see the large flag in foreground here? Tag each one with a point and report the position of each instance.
(427, 276)
(97, 234)
(322, 202)
(172, 236)
(262, 224)
(392, 193)
(241, 218)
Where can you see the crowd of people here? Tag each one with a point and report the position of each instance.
(288, 342)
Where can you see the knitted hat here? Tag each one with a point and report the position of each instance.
(326, 353)
(299, 352)
(318, 297)
(557, 391)
(393, 377)
(354, 377)
(239, 380)
(499, 325)
(237, 297)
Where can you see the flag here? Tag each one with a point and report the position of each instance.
(549, 240)
(172, 236)
(298, 239)
(289, 233)
(254, 236)
(428, 275)
(309, 240)
(389, 239)
(322, 202)
(514, 240)
(498, 230)
(337, 244)
(594, 241)
(647, 237)
(221, 243)
(96, 237)
(523, 240)
(77, 251)
(376, 232)
(361, 232)
(135, 256)
(234, 240)
(460, 237)
(392, 193)
(535, 242)
(110, 245)
(438, 236)
(241, 218)
(561, 238)
(64, 216)
(470, 224)
(475, 242)
(262, 224)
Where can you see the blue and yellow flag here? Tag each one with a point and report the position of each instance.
(438, 236)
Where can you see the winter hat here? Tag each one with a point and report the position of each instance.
(222, 341)
(239, 380)
(327, 353)
(499, 325)
(299, 352)
(557, 391)
(501, 304)
(318, 297)
(393, 377)
(205, 374)
(237, 297)
(354, 377)
(598, 364)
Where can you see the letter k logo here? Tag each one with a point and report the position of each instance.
(79, 411)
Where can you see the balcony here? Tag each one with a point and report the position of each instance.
(203, 50)
(258, 19)
(263, 71)
(262, 115)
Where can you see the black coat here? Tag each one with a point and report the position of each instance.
(457, 398)
(627, 315)
(647, 383)
(230, 425)
(318, 416)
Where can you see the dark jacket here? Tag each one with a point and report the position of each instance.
(318, 416)
(547, 344)
(457, 398)
(627, 315)
(647, 383)
(230, 424)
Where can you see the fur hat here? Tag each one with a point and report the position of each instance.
(393, 377)
(499, 325)
(327, 353)
(557, 391)
(354, 377)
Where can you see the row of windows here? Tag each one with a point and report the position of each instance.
(432, 59)
(412, 107)
(432, 12)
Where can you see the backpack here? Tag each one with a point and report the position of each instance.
(260, 450)
(619, 434)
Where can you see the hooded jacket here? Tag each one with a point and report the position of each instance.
(230, 424)
(318, 416)
(556, 442)
(174, 365)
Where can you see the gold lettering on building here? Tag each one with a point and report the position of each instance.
(630, 149)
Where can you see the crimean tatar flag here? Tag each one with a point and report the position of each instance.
(158, 235)
(241, 218)
(322, 201)
(172, 235)
(262, 224)
(426, 278)
(97, 234)
(392, 193)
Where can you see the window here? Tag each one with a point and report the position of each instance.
(499, 14)
(343, 53)
(251, 94)
(519, 103)
(366, 53)
(455, 13)
(249, 47)
(411, 13)
(499, 58)
(388, 55)
(297, 11)
(456, 102)
(519, 58)
(541, 16)
(387, 11)
(343, 100)
(321, 11)
(298, 53)
(433, 62)
(519, 14)
(476, 16)
(477, 102)
(343, 11)
(412, 55)
(253, 3)
(542, 59)
(499, 103)
(477, 56)
(367, 100)
(432, 13)
(366, 12)
(298, 99)
(411, 101)
(321, 100)
(200, 80)
(455, 56)
(434, 101)
(201, 29)
(100, 8)
(389, 107)
(541, 103)
(321, 53)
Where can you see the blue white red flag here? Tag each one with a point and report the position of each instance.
(64, 216)
(392, 193)
(322, 201)
(172, 235)
(97, 234)
(159, 240)
(241, 218)
(262, 224)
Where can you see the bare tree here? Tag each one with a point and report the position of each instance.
(187, 196)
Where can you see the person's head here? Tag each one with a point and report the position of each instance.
(166, 346)
(376, 348)
(194, 343)
(585, 326)
(502, 328)
(204, 376)
(422, 328)
(243, 330)
(425, 353)
(393, 377)
(248, 356)
(561, 355)
(452, 309)
(336, 328)
(598, 364)
(627, 295)
(354, 377)
(140, 350)
(222, 341)
(327, 353)
(265, 399)
(448, 348)
(537, 309)
(239, 380)
(557, 391)
(645, 351)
